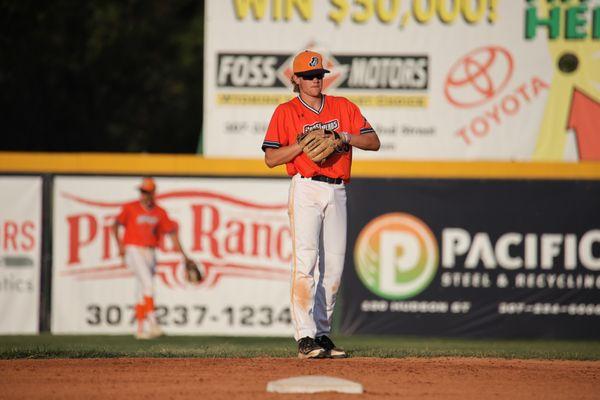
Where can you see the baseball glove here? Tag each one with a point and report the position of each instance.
(319, 144)
(192, 272)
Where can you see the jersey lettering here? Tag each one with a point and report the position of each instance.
(328, 126)
(146, 219)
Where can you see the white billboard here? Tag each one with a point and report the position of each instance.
(237, 228)
(20, 247)
(506, 80)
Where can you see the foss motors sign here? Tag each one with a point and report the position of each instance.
(250, 70)
(374, 72)
(396, 257)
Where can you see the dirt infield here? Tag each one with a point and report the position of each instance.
(241, 379)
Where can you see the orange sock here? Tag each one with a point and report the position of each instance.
(140, 316)
(149, 303)
(149, 308)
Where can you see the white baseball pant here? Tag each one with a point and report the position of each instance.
(316, 207)
(142, 262)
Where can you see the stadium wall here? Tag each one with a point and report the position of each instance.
(464, 196)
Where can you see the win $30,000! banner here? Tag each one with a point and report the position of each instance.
(438, 79)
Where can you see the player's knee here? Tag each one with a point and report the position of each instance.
(306, 260)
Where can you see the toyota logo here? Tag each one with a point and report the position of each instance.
(478, 76)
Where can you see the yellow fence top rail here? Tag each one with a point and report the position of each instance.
(162, 164)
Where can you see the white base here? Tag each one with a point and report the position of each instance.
(314, 384)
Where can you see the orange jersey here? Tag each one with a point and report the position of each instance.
(295, 117)
(143, 227)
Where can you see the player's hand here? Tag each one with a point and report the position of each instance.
(319, 144)
(342, 140)
(193, 273)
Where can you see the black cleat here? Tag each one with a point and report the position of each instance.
(307, 348)
(331, 350)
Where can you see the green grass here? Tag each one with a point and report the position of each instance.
(64, 346)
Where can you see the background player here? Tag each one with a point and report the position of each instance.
(145, 222)
(317, 199)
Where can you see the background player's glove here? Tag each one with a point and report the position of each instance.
(192, 272)
(319, 144)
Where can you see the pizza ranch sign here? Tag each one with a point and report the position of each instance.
(229, 235)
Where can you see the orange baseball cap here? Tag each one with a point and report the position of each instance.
(308, 62)
(148, 185)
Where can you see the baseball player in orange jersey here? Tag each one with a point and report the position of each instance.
(317, 198)
(145, 222)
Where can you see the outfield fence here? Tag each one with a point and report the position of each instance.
(467, 249)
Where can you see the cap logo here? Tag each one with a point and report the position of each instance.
(314, 61)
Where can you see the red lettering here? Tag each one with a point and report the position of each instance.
(27, 231)
(495, 115)
(234, 241)
(256, 238)
(76, 242)
(523, 91)
(485, 127)
(463, 134)
(107, 238)
(205, 215)
(10, 235)
(538, 84)
(509, 105)
(218, 235)
(506, 101)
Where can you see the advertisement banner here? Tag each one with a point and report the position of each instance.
(20, 247)
(453, 80)
(473, 258)
(236, 229)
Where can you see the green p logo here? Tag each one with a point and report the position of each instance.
(396, 256)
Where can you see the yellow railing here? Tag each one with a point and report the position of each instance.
(163, 164)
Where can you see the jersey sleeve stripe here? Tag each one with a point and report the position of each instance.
(366, 130)
(273, 145)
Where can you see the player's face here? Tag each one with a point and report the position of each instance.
(310, 85)
(147, 198)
